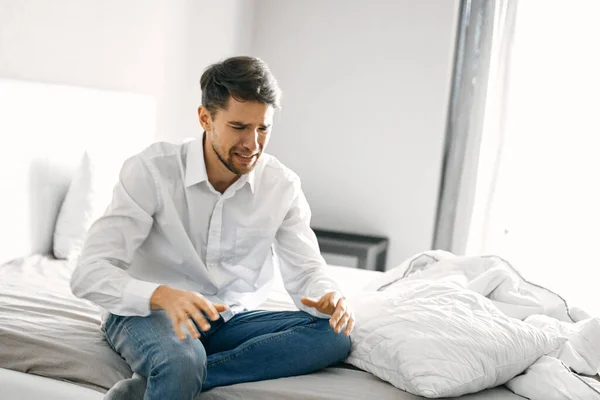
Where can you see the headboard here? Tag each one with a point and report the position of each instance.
(44, 131)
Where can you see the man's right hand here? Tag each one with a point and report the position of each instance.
(182, 305)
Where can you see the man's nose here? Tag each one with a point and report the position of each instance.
(251, 141)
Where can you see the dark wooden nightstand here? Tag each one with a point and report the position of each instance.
(369, 251)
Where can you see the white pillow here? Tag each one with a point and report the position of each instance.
(86, 200)
(437, 339)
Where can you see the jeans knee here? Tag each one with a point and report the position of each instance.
(184, 363)
(338, 344)
(343, 345)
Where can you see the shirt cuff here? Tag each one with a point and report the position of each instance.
(314, 312)
(136, 299)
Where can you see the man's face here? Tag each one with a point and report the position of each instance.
(239, 134)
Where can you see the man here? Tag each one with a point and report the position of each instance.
(186, 248)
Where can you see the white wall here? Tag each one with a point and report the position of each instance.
(366, 87)
(154, 47)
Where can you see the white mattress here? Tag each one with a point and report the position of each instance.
(21, 386)
(329, 384)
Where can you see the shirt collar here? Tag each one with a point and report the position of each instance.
(195, 168)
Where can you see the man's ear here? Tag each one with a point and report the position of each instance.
(204, 118)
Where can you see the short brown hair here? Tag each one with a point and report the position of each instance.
(243, 78)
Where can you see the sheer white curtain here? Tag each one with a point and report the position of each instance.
(480, 229)
(542, 206)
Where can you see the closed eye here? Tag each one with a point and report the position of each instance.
(264, 128)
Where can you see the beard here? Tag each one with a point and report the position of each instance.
(227, 159)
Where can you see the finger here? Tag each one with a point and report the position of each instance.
(340, 309)
(342, 322)
(208, 308)
(177, 326)
(220, 307)
(191, 328)
(197, 316)
(309, 302)
(350, 325)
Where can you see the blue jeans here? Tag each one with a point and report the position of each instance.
(252, 346)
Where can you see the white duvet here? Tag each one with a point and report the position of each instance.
(441, 325)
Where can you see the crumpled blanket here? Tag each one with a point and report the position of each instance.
(569, 372)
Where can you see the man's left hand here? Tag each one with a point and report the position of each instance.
(336, 306)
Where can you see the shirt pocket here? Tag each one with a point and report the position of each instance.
(252, 246)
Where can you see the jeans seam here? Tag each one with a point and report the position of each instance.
(253, 345)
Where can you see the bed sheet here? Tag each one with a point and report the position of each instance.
(45, 330)
(332, 384)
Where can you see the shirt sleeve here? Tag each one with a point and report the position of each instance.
(302, 266)
(100, 275)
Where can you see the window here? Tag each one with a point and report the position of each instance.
(545, 212)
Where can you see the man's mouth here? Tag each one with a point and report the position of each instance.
(244, 159)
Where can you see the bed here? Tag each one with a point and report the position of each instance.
(51, 346)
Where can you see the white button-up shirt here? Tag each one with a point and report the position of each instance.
(167, 225)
